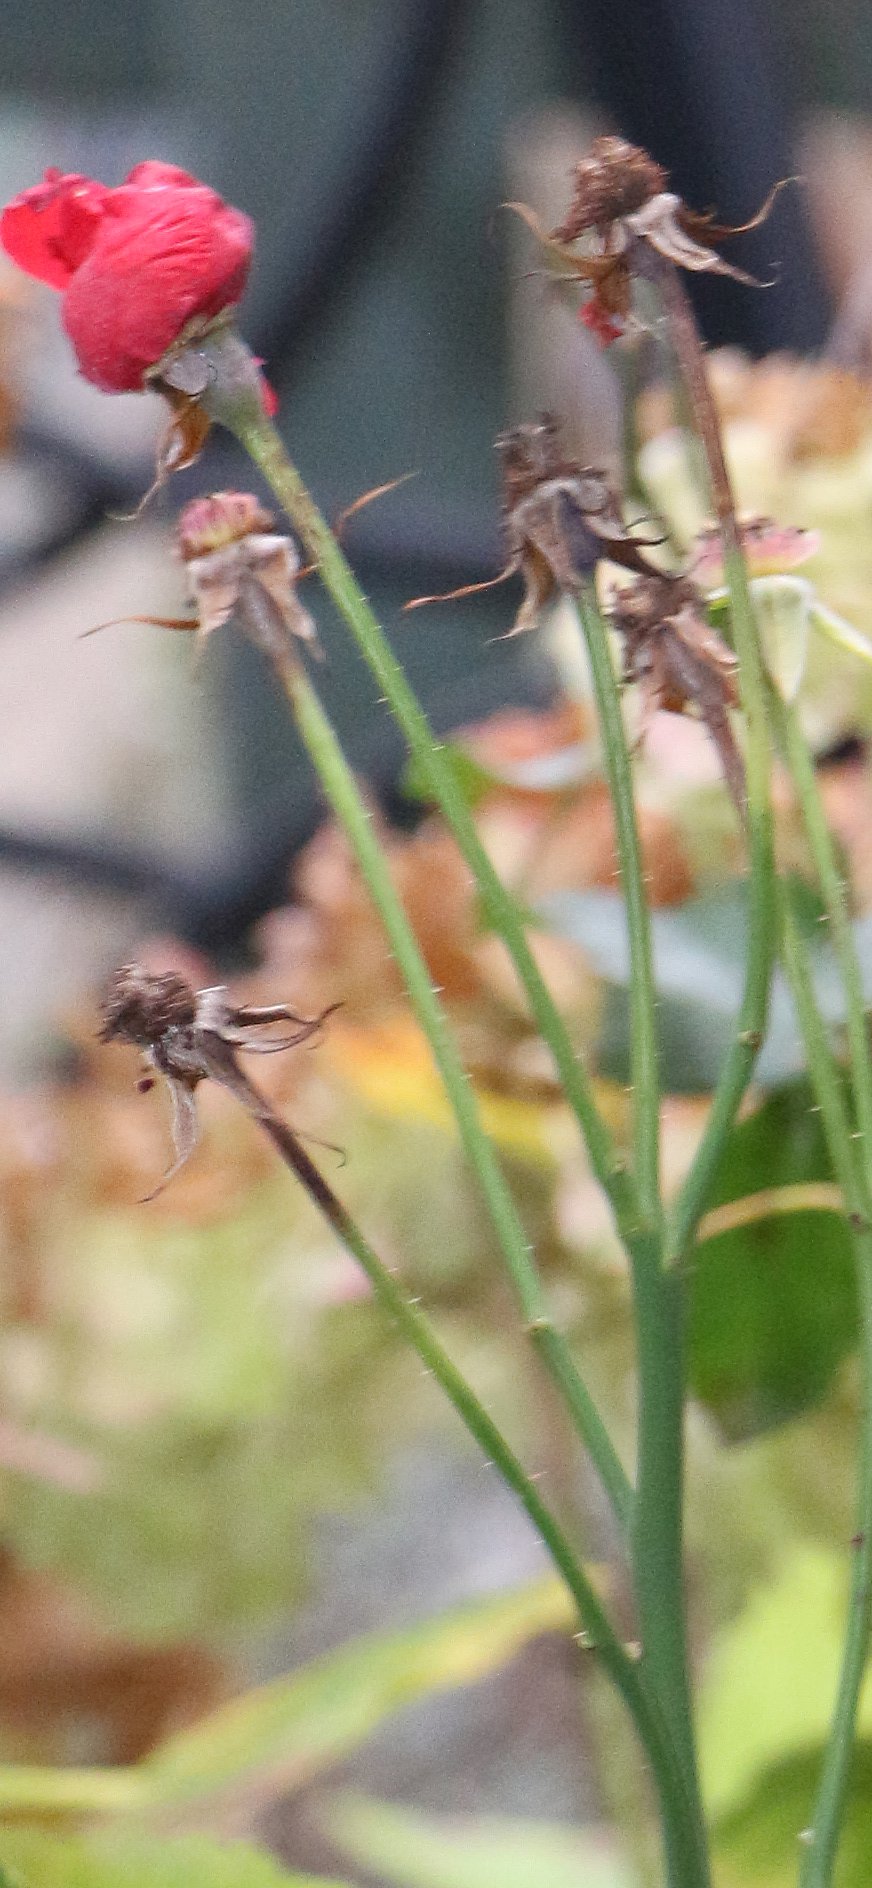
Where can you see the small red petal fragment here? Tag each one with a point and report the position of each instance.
(605, 326)
(269, 399)
(50, 229)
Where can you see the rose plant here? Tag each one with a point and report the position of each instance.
(150, 273)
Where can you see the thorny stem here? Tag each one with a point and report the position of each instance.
(245, 417)
(644, 1074)
(343, 794)
(624, 1670)
(663, 1720)
(751, 1022)
(852, 1161)
(658, 1291)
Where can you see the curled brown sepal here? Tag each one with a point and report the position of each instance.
(680, 663)
(189, 1036)
(182, 378)
(560, 520)
(179, 446)
(620, 201)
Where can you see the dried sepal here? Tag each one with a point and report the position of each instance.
(187, 1037)
(560, 519)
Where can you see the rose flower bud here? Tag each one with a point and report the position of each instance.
(136, 265)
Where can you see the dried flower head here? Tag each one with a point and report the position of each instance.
(620, 205)
(238, 566)
(680, 663)
(190, 1036)
(560, 520)
(613, 181)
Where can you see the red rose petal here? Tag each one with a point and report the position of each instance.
(605, 326)
(50, 229)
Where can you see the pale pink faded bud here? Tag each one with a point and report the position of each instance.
(239, 565)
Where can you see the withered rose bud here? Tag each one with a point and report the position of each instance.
(190, 1036)
(680, 663)
(614, 180)
(239, 565)
(211, 523)
(560, 519)
(624, 218)
(141, 1008)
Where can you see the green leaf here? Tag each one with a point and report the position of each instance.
(773, 1303)
(298, 1726)
(759, 1846)
(282, 1734)
(770, 1679)
(699, 967)
(419, 1851)
(34, 1859)
(473, 780)
(566, 767)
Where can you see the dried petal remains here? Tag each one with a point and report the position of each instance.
(239, 566)
(620, 203)
(190, 1036)
(680, 662)
(560, 520)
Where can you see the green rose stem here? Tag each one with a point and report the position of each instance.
(232, 397)
(852, 1160)
(355, 818)
(645, 1079)
(627, 1673)
(738, 1067)
(656, 1539)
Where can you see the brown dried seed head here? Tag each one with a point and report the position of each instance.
(613, 181)
(140, 1007)
(529, 454)
(641, 607)
(223, 518)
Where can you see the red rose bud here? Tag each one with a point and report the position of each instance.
(136, 264)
